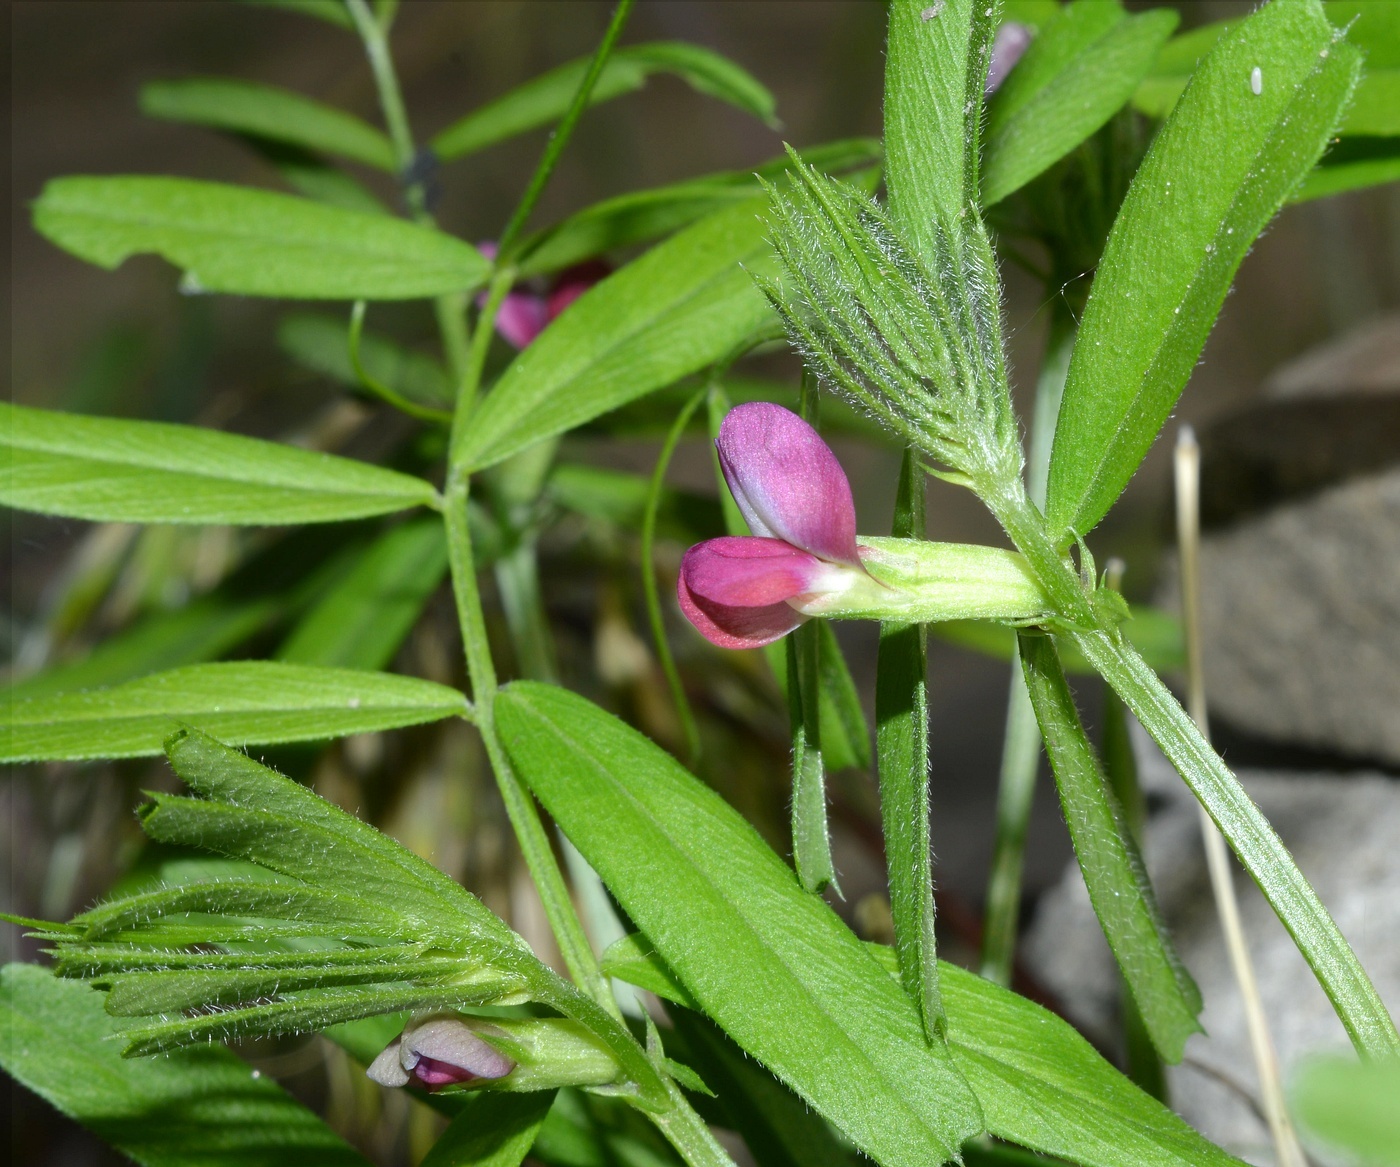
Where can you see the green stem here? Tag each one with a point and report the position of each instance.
(1020, 764)
(385, 393)
(520, 807)
(686, 1131)
(650, 590)
(564, 131)
(1020, 753)
(901, 747)
(1253, 840)
(381, 62)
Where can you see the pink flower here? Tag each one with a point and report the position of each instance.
(1008, 46)
(524, 314)
(745, 592)
(436, 1052)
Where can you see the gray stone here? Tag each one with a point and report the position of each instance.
(1300, 616)
(1342, 832)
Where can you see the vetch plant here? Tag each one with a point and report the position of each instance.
(267, 911)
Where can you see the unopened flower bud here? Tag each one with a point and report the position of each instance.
(438, 1051)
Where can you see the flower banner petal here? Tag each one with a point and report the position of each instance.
(787, 482)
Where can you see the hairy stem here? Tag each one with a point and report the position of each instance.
(1020, 754)
(520, 806)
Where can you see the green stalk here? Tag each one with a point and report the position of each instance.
(564, 131)
(1253, 840)
(650, 590)
(520, 807)
(901, 746)
(1020, 753)
(1248, 832)
(686, 1131)
(1144, 1066)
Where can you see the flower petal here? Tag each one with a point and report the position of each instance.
(734, 590)
(386, 1068)
(749, 572)
(451, 1042)
(1008, 46)
(522, 317)
(737, 627)
(572, 282)
(787, 482)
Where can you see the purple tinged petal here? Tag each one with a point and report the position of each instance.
(451, 1042)
(737, 627)
(522, 317)
(438, 1052)
(787, 482)
(1008, 46)
(750, 572)
(387, 1069)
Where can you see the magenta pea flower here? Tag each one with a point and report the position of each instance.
(747, 591)
(435, 1052)
(1008, 47)
(524, 313)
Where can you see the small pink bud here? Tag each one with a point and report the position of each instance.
(438, 1051)
(1008, 46)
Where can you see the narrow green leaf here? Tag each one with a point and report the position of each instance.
(1350, 1108)
(322, 344)
(1373, 26)
(1376, 107)
(310, 176)
(363, 620)
(935, 73)
(1359, 1007)
(686, 303)
(1081, 69)
(771, 964)
(779, 1129)
(1158, 94)
(111, 469)
(641, 216)
(902, 740)
(196, 1106)
(207, 628)
(543, 100)
(1352, 164)
(845, 734)
(1213, 178)
(1039, 1082)
(1113, 870)
(254, 242)
(492, 1130)
(811, 835)
(1043, 1086)
(242, 702)
(249, 107)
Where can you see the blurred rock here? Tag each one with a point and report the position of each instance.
(1300, 563)
(1342, 833)
(1301, 620)
(1328, 417)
